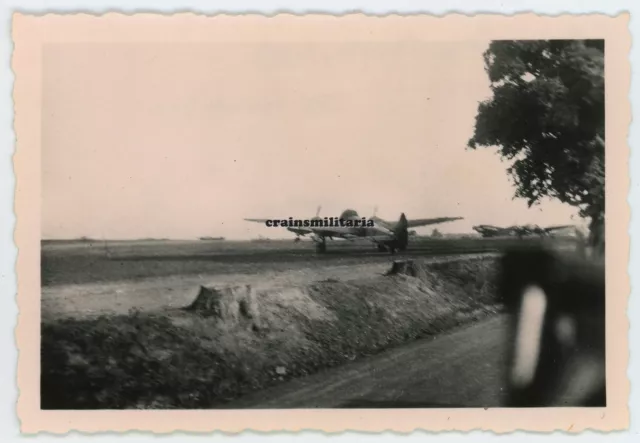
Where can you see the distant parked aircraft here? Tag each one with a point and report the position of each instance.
(388, 236)
(517, 230)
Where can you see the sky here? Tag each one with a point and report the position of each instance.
(146, 140)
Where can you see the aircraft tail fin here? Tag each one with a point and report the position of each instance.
(401, 232)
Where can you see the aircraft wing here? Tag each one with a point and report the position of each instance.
(430, 221)
(339, 232)
(295, 230)
(257, 220)
(347, 234)
(301, 231)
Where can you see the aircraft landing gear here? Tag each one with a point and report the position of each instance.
(321, 247)
(382, 248)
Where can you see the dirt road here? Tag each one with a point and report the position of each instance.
(463, 368)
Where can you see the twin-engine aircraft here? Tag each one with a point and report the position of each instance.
(517, 231)
(388, 236)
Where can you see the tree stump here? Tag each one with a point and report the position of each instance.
(408, 268)
(234, 305)
(403, 267)
(208, 302)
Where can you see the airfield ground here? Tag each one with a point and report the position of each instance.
(72, 262)
(115, 334)
(91, 278)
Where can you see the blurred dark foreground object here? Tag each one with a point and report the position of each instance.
(556, 350)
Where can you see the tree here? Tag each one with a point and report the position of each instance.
(546, 116)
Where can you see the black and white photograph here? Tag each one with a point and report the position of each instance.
(283, 221)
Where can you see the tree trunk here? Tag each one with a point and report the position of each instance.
(597, 235)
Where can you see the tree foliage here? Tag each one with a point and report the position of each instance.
(546, 115)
